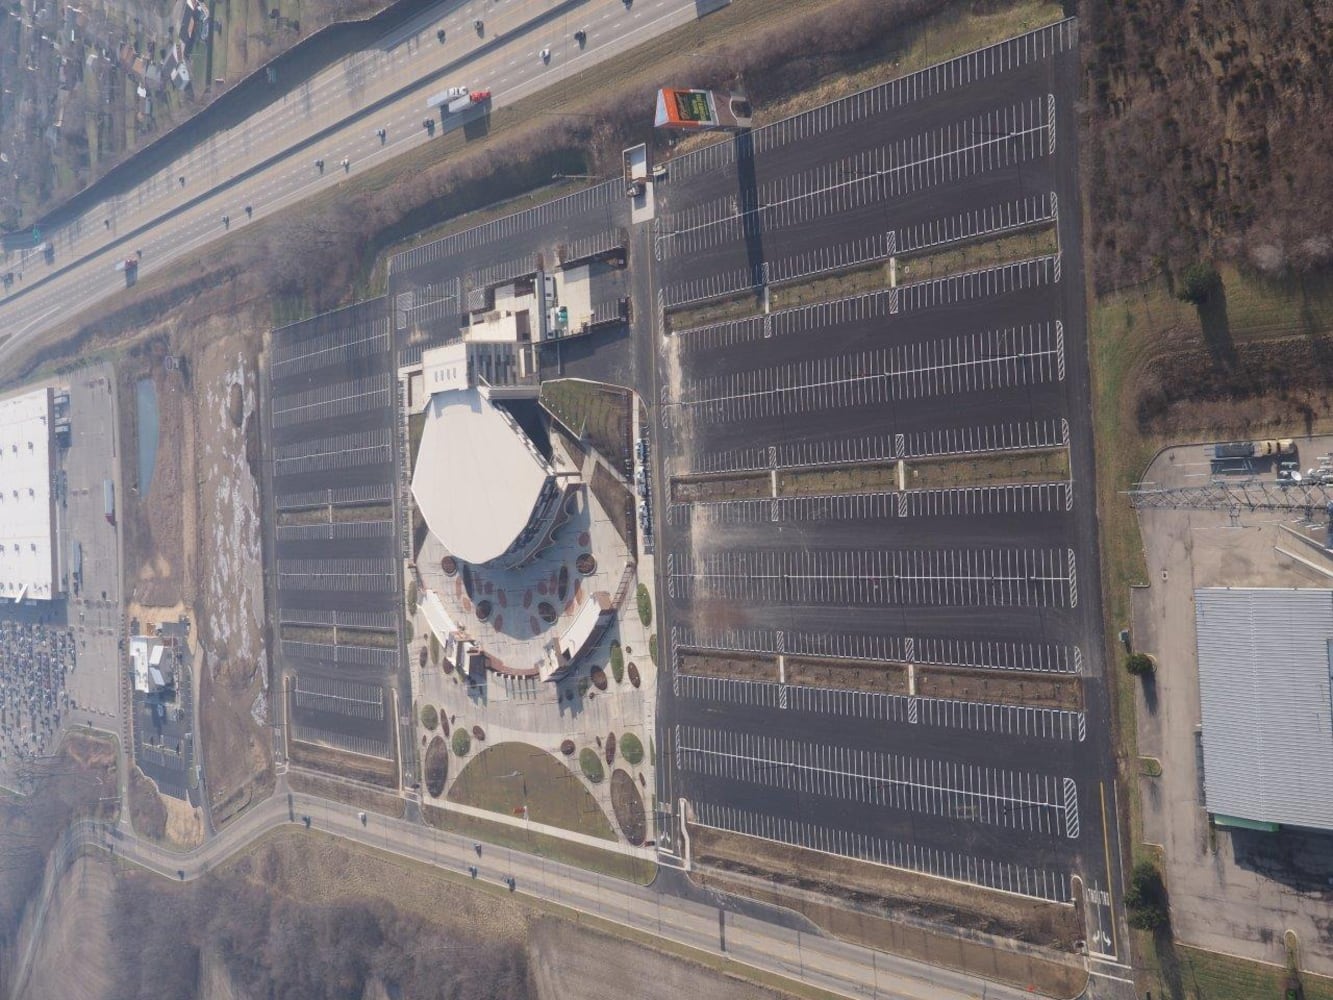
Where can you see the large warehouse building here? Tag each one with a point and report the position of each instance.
(1266, 684)
(28, 570)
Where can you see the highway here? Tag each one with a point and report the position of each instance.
(268, 162)
(827, 963)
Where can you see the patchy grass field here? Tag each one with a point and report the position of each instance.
(508, 776)
(599, 415)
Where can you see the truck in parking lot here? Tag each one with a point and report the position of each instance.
(1255, 449)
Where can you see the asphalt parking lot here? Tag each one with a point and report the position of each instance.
(332, 476)
(970, 575)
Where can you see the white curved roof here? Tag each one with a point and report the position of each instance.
(477, 476)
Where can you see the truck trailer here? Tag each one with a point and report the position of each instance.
(109, 500)
(468, 100)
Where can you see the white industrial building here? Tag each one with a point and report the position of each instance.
(28, 567)
(1265, 677)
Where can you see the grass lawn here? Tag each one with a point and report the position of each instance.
(1195, 974)
(598, 414)
(630, 869)
(505, 777)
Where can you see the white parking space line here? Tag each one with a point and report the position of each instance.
(344, 345)
(376, 621)
(1008, 720)
(1038, 883)
(991, 359)
(1018, 800)
(340, 654)
(334, 531)
(1042, 43)
(372, 575)
(343, 451)
(976, 145)
(878, 448)
(340, 696)
(1039, 657)
(336, 400)
(1027, 498)
(341, 496)
(981, 577)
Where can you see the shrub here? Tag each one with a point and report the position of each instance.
(462, 742)
(1146, 899)
(652, 648)
(434, 649)
(429, 717)
(1140, 664)
(567, 747)
(617, 662)
(1198, 282)
(631, 748)
(645, 605)
(611, 748)
(412, 597)
(407, 631)
(591, 765)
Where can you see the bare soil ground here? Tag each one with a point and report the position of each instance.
(744, 668)
(731, 487)
(373, 770)
(837, 479)
(886, 678)
(937, 263)
(899, 910)
(1044, 466)
(222, 491)
(599, 413)
(1001, 687)
(627, 803)
(73, 957)
(618, 503)
(570, 961)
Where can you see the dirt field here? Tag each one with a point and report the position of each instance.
(732, 487)
(229, 599)
(889, 678)
(1002, 687)
(745, 668)
(72, 960)
(353, 794)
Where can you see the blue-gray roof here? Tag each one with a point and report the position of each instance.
(1264, 685)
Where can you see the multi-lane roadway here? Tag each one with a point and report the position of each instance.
(268, 162)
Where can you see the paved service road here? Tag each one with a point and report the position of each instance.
(827, 963)
(268, 162)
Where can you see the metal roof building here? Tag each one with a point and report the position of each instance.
(27, 515)
(1265, 673)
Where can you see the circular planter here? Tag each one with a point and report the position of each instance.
(562, 587)
(461, 743)
(633, 672)
(567, 748)
(610, 748)
(449, 565)
(478, 734)
(483, 610)
(627, 803)
(585, 563)
(546, 612)
(598, 677)
(437, 766)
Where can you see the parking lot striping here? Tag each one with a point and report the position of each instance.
(715, 284)
(982, 283)
(878, 448)
(1027, 498)
(337, 400)
(376, 621)
(334, 530)
(340, 654)
(340, 496)
(342, 451)
(969, 68)
(498, 274)
(432, 303)
(970, 577)
(334, 694)
(979, 362)
(1037, 883)
(1018, 800)
(362, 746)
(982, 654)
(556, 210)
(993, 219)
(962, 149)
(833, 507)
(375, 575)
(988, 717)
(358, 341)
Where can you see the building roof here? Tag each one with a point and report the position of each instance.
(27, 562)
(1265, 664)
(478, 478)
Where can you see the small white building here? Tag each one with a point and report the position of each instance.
(151, 665)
